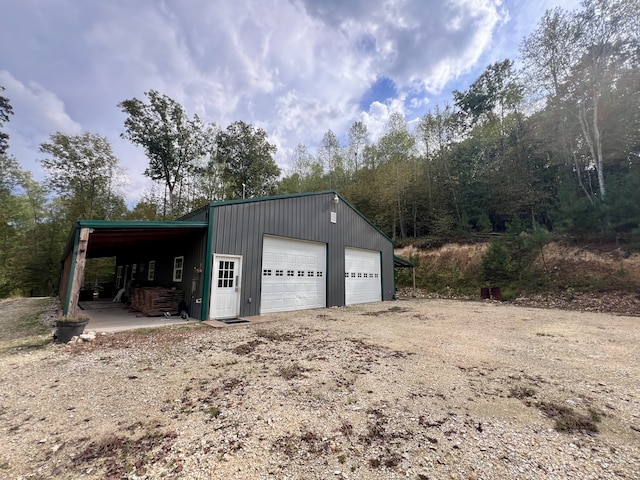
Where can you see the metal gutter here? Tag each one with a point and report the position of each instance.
(143, 224)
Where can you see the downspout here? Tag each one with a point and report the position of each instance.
(413, 274)
(72, 271)
(206, 284)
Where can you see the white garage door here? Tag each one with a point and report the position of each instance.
(362, 278)
(293, 275)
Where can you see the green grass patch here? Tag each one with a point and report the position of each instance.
(22, 323)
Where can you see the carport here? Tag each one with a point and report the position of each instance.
(399, 262)
(102, 238)
(108, 316)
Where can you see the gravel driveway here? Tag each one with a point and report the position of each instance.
(417, 389)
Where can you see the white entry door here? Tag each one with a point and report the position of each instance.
(293, 275)
(225, 288)
(362, 278)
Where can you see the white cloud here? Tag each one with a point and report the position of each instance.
(415, 42)
(296, 68)
(36, 109)
(37, 114)
(377, 117)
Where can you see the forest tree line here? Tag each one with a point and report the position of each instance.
(553, 144)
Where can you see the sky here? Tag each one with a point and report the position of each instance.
(295, 68)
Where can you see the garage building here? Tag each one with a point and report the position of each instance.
(244, 257)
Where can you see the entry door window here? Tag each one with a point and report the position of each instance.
(225, 273)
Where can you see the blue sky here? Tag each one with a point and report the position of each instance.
(296, 68)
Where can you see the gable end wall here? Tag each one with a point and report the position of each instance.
(239, 228)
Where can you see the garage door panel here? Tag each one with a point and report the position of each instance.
(296, 279)
(362, 277)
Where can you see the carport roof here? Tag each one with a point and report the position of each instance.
(400, 262)
(108, 237)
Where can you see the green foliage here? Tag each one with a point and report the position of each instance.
(484, 223)
(488, 165)
(23, 325)
(508, 261)
(5, 111)
(492, 95)
(173, 142)
(71, 320)
(246, 157)
(85, 173)
(497, 265)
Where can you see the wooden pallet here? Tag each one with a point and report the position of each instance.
(156, 301)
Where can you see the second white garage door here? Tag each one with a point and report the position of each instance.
(293, 275)
(362, 278)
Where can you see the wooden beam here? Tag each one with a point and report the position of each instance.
(78, 271)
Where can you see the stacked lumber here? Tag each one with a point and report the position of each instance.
(156, 301)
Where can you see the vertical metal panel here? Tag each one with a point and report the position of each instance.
(239, 228)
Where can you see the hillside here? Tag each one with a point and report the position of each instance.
(603, 278)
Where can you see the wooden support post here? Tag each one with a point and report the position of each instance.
(78, 271)
(413, 274)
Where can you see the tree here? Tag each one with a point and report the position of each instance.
(23, 206)
(149, 207)
(397, 171)
(580, 58)
(549, 52)
(305, 175)
(246, 158)
(5, 111)
(358, 141)
(330, 153)
(438, 132)
(83, 170)
(497, 169)
(607, 28)
(492, 96)
(172, 141)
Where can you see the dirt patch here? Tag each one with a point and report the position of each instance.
(600, 278)
(413, 389)
(450, 255)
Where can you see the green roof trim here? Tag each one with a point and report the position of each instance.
(272, 197)
(139, 224)
(400, 262)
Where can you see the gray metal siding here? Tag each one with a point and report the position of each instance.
(239, 228)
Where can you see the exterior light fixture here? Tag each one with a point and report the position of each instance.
(336, 199)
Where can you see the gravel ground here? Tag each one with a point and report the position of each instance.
(417, 389)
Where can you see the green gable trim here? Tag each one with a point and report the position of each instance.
(400, 262)
(273, 197)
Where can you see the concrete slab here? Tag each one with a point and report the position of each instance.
(108, 316)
